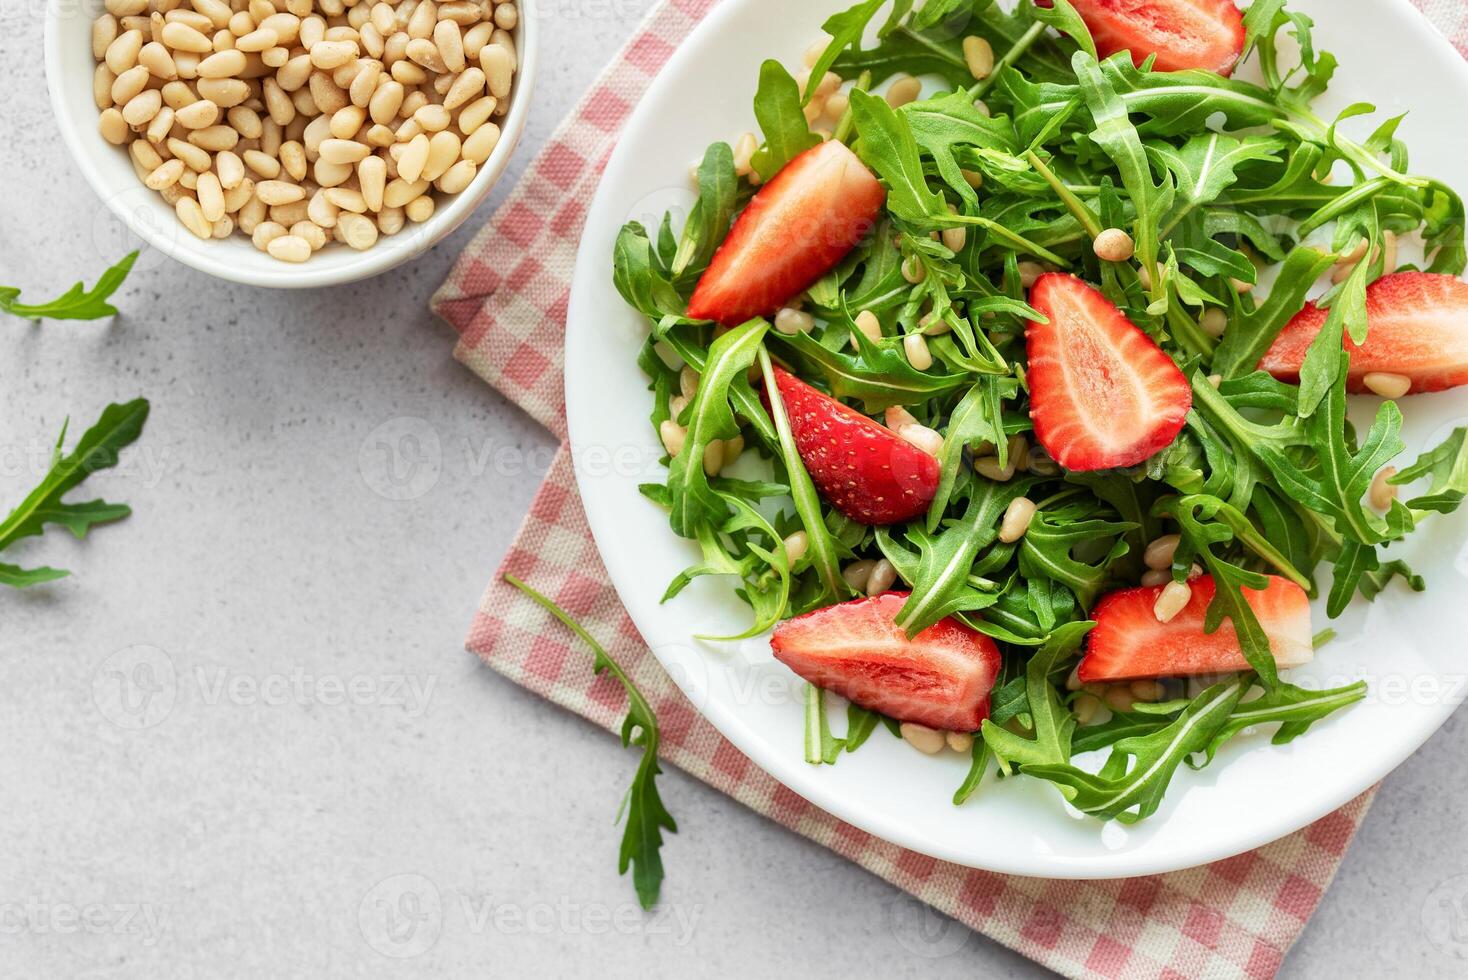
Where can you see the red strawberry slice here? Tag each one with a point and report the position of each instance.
(940, 678)
(1129, 643)
(1417, 326)
(1102, 394)
(795, 230)
(1206, 34)
(862, 468)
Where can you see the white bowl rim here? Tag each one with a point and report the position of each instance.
(196, 254)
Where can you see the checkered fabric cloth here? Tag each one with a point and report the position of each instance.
(507, 299)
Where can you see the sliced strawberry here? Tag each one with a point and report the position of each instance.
(862, 468)
(940, 678)
(1102, 394)
(1206, 34)
(797, 227)
(1129, 643)
(1417, 326)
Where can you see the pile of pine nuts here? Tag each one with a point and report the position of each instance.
(299, 121)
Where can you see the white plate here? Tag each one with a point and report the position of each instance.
(1409, 646)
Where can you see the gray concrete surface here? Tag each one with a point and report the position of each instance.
(318, 751)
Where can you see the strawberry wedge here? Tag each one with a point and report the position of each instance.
(1129, 643)
(940, 678)
(1417, 326)
(1102, 394)
(863, 469)
(1207, 34)
(793, 232)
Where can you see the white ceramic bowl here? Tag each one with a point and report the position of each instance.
(69, 69)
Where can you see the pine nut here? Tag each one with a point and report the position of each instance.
(713, 456)
(744, 150)
(988, 467)
(321, 211)
(1153, 577)
(372, 178)
(197, 115)
(1119, 697)
(881, 577)
(433, 118)
(443, 153)
(214, 138)
(331, 174)
(211, 197)
(327, 55)
(1148, 692)
(1382, 492)
(673, 436)
(796, 545)
(182, 37)
(895, 417)
(481, 143)
(195, 158)
(903, 90)
(265, 233)
(345, 122)
(293, 159)
(1387, 385)
(1114, 245)
(357, 231)
(166, 175)
(289, 248)
(102, 80)
(193, 219)
(276, 192)
(420, 209)
(506, 16)
(688, 381)
(222, 64)
(1085, 707)
(869, 325)
(414, 158)
(913, 270)
(161, 125)
(142, 108)
(1160, 552)
(857, 573)
(916, 348)
(954, 239)
(122, 53)
(399, 192)
(448, 40)
(1017, 518)
(1214, 321)
(1173, 599)
(312, 233)
(177, 94)
(926, 740)
(791, 321)
(978, 54)
(1029, 272)
(227, 93)
(498, 66)
(921, 437)
(960, 742)
(238, 196)
(104, 32)
(476, 114)
(342, 151)
(468, 85)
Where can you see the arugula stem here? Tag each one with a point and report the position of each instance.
(1074, 204)
(1015, 52)
(847, 125)
(1019, 242)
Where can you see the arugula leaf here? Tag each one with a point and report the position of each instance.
(647, 817)
(1131, 784)
(1051, 722)
(777, 106)
(889, 147)
(845, 30)
(77, 303)
(117, 428)
(710, 417)
(708, 222)
(1294, 708)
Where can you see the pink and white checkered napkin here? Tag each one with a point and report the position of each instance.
(507, 298)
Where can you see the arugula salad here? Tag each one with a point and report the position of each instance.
(1017, 407)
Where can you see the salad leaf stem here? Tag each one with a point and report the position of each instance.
(647, 817)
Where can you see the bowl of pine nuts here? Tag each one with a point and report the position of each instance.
(291, 143)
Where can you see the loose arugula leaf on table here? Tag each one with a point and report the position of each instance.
(77, 303)
(117, 428)
(647, 817)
